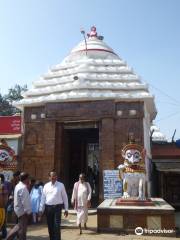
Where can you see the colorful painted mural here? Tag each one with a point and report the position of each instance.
(8, 161)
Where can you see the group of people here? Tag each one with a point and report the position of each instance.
(7, 198)
(50, 200)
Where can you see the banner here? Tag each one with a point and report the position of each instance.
(112, 184)
(10, 125)
(8, 161)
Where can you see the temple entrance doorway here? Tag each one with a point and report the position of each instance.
(81, 155)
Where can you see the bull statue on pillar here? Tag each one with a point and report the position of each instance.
(133, 172)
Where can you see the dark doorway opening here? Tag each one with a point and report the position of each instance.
(81, 155)
(171, 188)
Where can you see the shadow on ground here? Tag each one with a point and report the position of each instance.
(37, 238)
(91, 231)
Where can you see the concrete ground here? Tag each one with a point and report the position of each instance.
(70, 231)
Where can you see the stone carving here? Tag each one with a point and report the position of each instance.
(132, 171)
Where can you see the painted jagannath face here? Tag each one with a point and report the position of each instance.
(4, 155)
(133, 156)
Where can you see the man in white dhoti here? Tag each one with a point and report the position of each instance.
(81, 197)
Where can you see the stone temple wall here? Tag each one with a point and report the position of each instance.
(43, 140)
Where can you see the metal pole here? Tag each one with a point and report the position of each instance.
(83, 33)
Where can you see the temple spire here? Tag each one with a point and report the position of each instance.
(93, 34)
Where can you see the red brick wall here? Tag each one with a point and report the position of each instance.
(165, 150)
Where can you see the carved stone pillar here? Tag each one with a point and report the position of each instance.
(106, 140)
(59, 152)
(49, 147)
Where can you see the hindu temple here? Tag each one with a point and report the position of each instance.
(79, 114)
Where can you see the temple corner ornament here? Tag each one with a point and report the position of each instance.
(132, 172)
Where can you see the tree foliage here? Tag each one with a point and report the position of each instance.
(5, 107)
(6, 101)
(15, 93)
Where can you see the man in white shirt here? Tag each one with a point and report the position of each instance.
(22, 208)
(53, 198)
(81, 197)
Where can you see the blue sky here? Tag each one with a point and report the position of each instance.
(37, 34)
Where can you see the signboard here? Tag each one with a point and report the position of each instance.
(8, 161)
(112, 184)
(10, 124)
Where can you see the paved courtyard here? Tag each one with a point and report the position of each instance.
(40, 233)
(70, 232)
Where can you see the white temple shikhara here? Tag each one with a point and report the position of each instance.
(99, 74)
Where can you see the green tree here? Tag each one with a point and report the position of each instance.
(6, 101)
(15, 93)
(5, 107)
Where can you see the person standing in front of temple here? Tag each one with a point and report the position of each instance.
(3, 204)
(53, 198)
(22, 208)
(35, 195)
(81, 198)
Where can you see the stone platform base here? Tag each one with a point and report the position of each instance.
(157, 219)
(134, 202)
